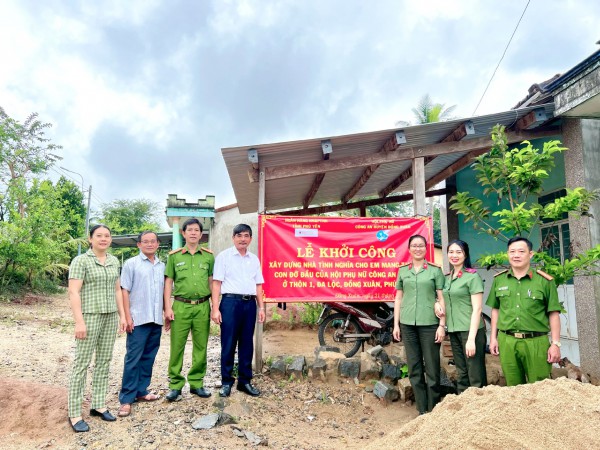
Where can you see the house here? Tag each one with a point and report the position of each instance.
(334, 173)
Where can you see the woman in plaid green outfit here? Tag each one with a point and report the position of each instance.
(97, 305)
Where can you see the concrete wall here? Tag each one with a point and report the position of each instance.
(582, 166)
(221, 233)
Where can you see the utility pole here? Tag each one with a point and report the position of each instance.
(87, 212)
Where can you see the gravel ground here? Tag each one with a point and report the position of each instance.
(36, 353)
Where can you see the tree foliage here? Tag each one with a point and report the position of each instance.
(428, 112)
(37, 218)
(130, 216)
(514, 176)
(125, 216)
(25, 151)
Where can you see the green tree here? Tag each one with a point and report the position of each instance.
(25, 151)
(514, 176)
(130, 216)
(34, 247)
(429, 112)
(72, 202)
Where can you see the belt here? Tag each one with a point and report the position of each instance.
(241, 296)
(193, 301)
(525, 335)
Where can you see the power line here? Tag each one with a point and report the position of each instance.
(502, 57)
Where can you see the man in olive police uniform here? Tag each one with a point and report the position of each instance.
(188, 276)
(525, 308)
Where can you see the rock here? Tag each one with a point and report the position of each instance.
(369, 388)
(375, 351)
(253, 438)
(318, 370)
(332, 360)
(211, 420)
(349, 368)
(370, 369)
(219, 403)
(206, 422)
(326, 348)
(296, 367)
(278, 368)
(401, 353)
(447, 386)
(395, 359)
(383, 357)
(385, 391)
(391, 373)
(405, 390)
(449, 369)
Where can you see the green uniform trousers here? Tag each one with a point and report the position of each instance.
(524, 360)
(469, 371)
(101, 334)
(423, 360)
(194, 318)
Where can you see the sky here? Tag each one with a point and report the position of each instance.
(143, 94)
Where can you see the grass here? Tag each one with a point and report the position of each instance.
(275, 316)
(215, 330)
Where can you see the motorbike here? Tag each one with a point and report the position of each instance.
(348, 326)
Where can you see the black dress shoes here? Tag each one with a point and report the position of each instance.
(225, 390)
(173, 395)
(248, 389)
(200, 392)
(106, 415)
(79, 427)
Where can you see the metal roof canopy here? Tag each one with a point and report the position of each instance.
(376, 165)
(130, 240)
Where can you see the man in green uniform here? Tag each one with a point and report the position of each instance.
(188, 275)
(525, 308)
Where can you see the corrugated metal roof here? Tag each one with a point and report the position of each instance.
(290, 192)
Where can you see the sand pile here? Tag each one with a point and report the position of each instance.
(550, 414)
(31, 410)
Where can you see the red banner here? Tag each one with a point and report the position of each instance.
(308, 259)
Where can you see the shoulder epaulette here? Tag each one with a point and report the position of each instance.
(204, 249)
(500, 273)
(434, 265)
(470, 270)
(176, 250)
(403, 265)
(545, 275)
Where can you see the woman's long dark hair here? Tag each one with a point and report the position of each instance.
(465, 248)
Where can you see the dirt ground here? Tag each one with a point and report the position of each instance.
(36, 353)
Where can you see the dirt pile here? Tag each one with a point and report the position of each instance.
(32, 411)
(551, 414)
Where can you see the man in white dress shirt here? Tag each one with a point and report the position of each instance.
(236, 295)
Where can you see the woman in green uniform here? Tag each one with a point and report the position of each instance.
(463, 295)
(97, 306)
(419, 315)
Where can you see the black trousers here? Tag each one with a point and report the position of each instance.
(423, 360)
(238, 318)
(469, 371)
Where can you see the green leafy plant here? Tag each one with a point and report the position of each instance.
(275, 316)
(310, 313)
(404, 371)
(514, 176)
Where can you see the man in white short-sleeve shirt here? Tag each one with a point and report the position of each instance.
(236, 295)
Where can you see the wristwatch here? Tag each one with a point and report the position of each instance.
(557, 343)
